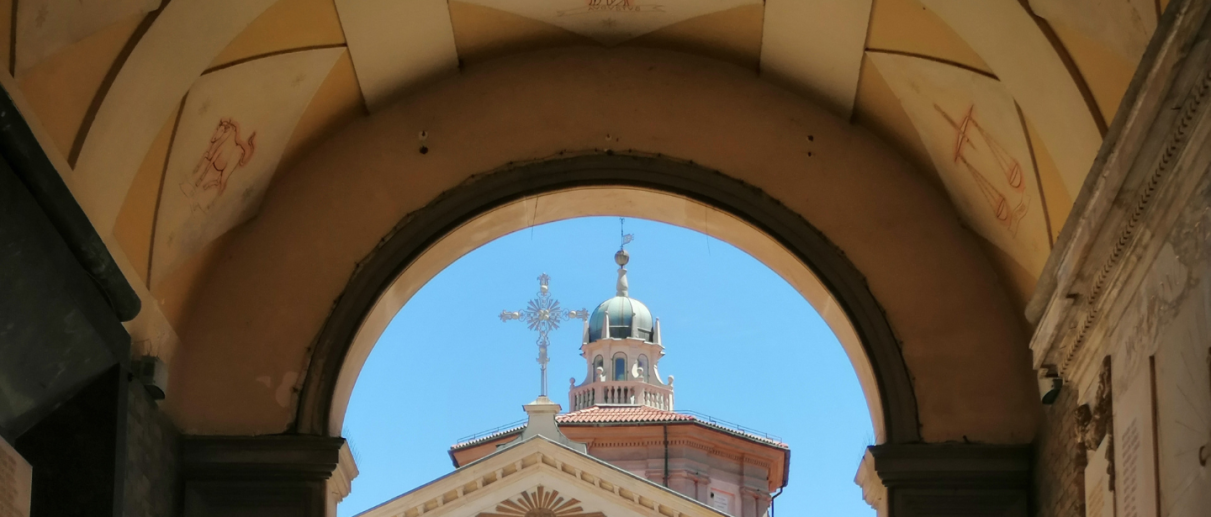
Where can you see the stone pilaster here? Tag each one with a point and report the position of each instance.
(682, 482)
(754, 502)
(703, 484)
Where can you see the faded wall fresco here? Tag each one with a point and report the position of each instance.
(233, 130)
(976, 140)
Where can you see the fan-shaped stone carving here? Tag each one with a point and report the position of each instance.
(539, 502)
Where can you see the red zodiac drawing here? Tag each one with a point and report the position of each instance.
(592, 6)
(970, 136)
(226, 153)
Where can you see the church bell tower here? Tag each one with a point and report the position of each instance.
(622, 351)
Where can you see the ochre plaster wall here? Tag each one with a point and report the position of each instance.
(909, 27)
(733, 35)
(1106, 73)
(62, 89)
(252, 318)
(483, 33)
(285, 25)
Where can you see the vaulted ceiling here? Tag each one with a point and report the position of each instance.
(1000, 104)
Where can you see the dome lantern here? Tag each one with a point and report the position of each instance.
(622, 350)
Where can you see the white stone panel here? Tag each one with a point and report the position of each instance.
(1134, 459)
(816, 47)
(16, 480)
(1124, 26)
(397, 44)
(1183, 386)
(45, 26)
(1013, 45)
(233, 130)
(971, 128)
(611, 22)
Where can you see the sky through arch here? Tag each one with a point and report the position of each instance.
(743, 345)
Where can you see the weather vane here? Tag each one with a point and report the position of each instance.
(622, 230)
(543, 314)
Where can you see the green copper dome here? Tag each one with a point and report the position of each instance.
(622, 311)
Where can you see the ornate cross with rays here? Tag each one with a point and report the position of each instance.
(543, 314)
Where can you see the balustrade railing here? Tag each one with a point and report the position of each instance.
(622, 392)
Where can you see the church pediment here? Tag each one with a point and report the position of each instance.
(539, 478)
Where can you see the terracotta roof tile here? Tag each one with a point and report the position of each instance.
(611, 414)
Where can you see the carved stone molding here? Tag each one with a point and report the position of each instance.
(1156, 151)
(730, 454)
(873, 490)
(1093, 424)
(947, 479)
(264, 475)
(761, 496)
(1096, 424)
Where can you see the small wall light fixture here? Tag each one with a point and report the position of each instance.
(1049, 385)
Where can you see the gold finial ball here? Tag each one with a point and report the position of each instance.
(622, 257)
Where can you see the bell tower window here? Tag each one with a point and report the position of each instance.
(620, 367)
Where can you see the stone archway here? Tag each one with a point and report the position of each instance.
(338, 352)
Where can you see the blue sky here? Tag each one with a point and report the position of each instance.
(743, 345)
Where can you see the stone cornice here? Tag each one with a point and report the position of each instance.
(341, 482)
(755, 493)
(1140, 180)
(952, 466)
(946, 479)
(758, 461)
(265, 457)
(873, 490)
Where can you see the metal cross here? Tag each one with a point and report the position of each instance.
(543, 314)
